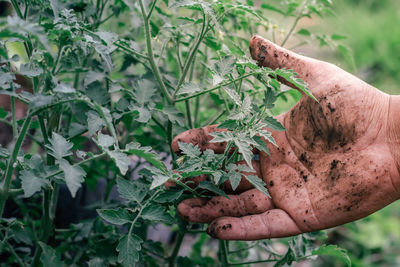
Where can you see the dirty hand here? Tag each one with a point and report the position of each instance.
(336, 162)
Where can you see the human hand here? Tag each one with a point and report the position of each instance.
(333, 165)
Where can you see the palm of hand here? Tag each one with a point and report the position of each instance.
(332, 164)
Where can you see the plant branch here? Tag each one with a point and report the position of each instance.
(153, 65)
(298, 17)
(216, 87)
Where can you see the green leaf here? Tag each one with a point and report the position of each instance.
(269, 98)
(144, 90)
(235, 178)
(338, 37)
(228, 124)
(132, 190)
(31, 183)
(290, 76)
(156, 213)
(174, 115)
(169, 196)
(211, 187)
(64, 88)
(189, 149)
(59, 146)
(261, 145)
(159, 179)
(129, 247)
(335, 251)
(272, 8)
(145, 152)
(49, 257)
(104, 140)
(347, 54)
(274, 124)
(121, 160)
(118, 216)
(189, 88)
(304, 32)
(95, 122)
(74, 175)
(246, 151)
(258, 183)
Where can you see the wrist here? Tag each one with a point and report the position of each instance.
(393, 128)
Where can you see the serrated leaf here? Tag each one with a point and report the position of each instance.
(118, 216)
(39, 100)
(246, 151)
(189, 149)
(105, 140)
(49, 257)
(59, 146)
(128, 248)
(95, 122)
(261, 145)
(221, 137)
(169, 196)
(269, 98)
(132, 190)
(144, 113)
(31, 183)
(156, 213)
(335, 251)
(211, 187)
(228, 124)
(74, 175)
(258, 183)
(145, 152)
(274, 124)
(121, 160)
(234, 96)
(290, 77)
(174, 115)
(64, 88)
(144, 90)
(189, 88)
(235, 178)
(158, 180)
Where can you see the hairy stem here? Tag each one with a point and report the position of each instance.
(153, 65)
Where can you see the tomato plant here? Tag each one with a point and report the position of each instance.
(106, 86)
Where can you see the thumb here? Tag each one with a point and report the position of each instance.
(268, 54)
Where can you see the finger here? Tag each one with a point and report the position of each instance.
(273, 56)
(270, 224)
(204, 210)
(200, 137)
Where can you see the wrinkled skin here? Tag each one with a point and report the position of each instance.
(336, 162)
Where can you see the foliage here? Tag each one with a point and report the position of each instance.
(112, 83)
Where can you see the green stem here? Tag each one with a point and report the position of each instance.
(192, 53)
(151, 9)
(178, 244)
(216, 87)
(14, 119)
(10, 166)
(11, 250)
(153, 65)
(298, 17)
(130, 50)
(188, 114)
(223, 255)
(17, 9)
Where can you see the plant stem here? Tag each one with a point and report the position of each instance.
(130, 50)
(216, 87)
(188, 114)
(151, 9)
(17, 9)
(14, 119)
(298, 17)
(10, 166)
(178, 243)
(192, 53)
(153, 65)
(223, 255)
